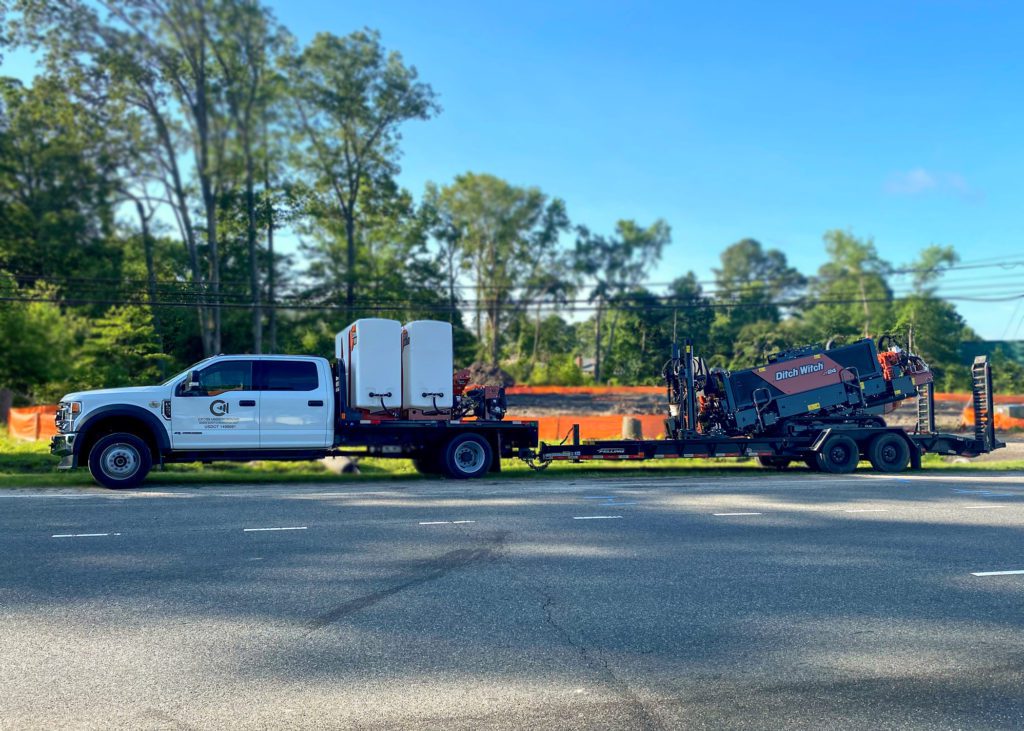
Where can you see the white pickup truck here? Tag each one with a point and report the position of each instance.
(269, 407)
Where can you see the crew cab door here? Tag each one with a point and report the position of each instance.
(221, 413)
(295, 408)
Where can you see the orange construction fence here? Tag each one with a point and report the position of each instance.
(1000, 419)
(554, 428)
(31, 423)
(543, 390)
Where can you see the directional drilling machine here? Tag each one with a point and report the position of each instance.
(796, 390)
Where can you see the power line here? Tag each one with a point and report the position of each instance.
(589, 307)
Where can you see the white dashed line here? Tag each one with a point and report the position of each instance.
(256, 530)
(996, 573)
(983, 507)
(83, 535)
(724, 514)
(596, 517)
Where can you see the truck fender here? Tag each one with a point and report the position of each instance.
(163, 441)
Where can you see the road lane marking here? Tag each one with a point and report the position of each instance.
(596, 517)
(868, 510)
(256, 530)
(996, 573)
(724, 514)
(459, 522)
(437, 522)
(983, 507)
(83, 535)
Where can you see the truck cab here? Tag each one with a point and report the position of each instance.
(225, 406)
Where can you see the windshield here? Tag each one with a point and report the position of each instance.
(185, 372)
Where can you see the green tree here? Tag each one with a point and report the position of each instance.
(615, 265)
(751, 280)
(37, 341)
(56, 193)
(351, 98)
(247, 43)
(499, 229)
(121, 349)
(851, 294)
(937, 328)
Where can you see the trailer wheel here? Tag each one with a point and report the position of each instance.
(120, 461)
(466, 456)
(838, 455)
(889, 453)
(774, 463)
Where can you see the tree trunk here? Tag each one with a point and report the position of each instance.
(494, 315)
(202, 127)
(180, 202)
(611, 337)
(597, 342)
(6, 401)
(451, 284)
(867, 312)
(250, 232)
(350, 263)
(536, 335)
(147, 247)
(271, 264)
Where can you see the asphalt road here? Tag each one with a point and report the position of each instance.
(788, 601)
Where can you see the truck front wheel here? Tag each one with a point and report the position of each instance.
(120, 460)
(466, 456)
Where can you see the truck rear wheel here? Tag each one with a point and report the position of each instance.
(120, 461)
(466, 456)
(838, 455)
(889, 453)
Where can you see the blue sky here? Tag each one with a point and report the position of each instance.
(896, 120)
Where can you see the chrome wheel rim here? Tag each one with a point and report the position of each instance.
(120, 460)
(469, 457)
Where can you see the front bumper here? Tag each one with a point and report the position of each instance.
(63, 446)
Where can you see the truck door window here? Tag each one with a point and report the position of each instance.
(228, 375)
(286, 375)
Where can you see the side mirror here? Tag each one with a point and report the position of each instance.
(192, 382)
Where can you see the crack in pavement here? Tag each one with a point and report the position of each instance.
(645, 716)
(421, 573)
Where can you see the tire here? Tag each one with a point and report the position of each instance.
(466, 456)
(839, 455)
(120, 461)
(811, 461)
(889, 453)
(427, 463)
(774, 463)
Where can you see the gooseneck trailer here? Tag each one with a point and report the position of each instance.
(822, 407)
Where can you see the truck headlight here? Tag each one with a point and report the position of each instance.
(75, 407)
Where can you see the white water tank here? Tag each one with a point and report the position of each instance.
(427, 365)
(372, 351)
